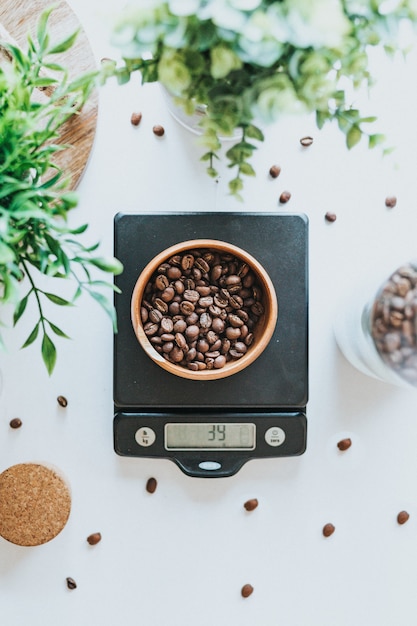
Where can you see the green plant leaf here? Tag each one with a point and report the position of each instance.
(57, 330)
(48, 353)
(57, 299)
(247, 169)
(64, 45)
(33, 335)
(353, 136)
(106, 305)
(20, 309)
(108, 264)
(254, 132)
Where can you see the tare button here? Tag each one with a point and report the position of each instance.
(145, 436)
(275, 436)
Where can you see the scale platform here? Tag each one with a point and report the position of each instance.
(211, 428)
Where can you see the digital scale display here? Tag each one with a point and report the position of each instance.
(206, 436)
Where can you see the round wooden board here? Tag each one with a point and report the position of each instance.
(20, 17)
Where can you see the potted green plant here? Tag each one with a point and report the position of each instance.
(35, 200)
(250, 60)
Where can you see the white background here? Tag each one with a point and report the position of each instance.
(181, 555)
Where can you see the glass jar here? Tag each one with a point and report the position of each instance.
(379, 337)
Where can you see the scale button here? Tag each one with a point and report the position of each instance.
(145, 436)
(209, 465)
(275, 436)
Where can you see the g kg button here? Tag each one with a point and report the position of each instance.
(145, 436)
(275, 436)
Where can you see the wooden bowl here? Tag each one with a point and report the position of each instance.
(262, 331)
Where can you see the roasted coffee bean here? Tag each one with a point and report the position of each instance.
(205, 320)
(94, 539)
(328, 529)
(62, 401)
(200, 308)
(257, 308)
(161, 282)
(191, 295)
(158, 130)
(234, 320)
(219, 361)
(204, 291)
(274, 171)
(247, 590)
(151, 328)
(151, 485)
(180, 326)
(192, 332)
(235, 354)
(251, 505)
(284, 197)
(218, 325)
(241, 347)
(202, 265)
(306, 141)
(344, 444)
(135, 118)
(167, 325)
(16, 422)
(186, 307)
(173, 272)
(232, 333)
(187, 261)
(249, 339)
(155, 316)
(403, 517)
(168, 295)
(390, 202)
(144, 314)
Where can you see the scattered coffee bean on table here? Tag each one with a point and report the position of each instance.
(151, 485)
(274, 171)
(330, 217)
(200, 309)
(306, 141)
(94, 539)
(71, 584)
(344, 444)
(403, 517)
(251, 505)
(246, 590)
(16, 422)
(285, 197)
(136, 119)
(62, 401)
(390, 202)
(328, 529)
(158, 130)
(393, 323)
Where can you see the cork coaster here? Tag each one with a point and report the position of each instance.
(35, 504)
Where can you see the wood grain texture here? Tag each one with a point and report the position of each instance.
(20, 18)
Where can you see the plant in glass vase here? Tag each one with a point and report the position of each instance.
(248, 60)
(36, 243)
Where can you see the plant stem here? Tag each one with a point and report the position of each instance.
(36, 292)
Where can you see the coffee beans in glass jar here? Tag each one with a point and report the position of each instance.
(200, 308)
(393, 322)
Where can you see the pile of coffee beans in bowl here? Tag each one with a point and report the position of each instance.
(393, 323)
(200, 308)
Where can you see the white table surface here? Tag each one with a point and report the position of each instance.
(181, 555)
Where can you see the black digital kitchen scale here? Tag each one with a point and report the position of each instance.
(211, 428)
